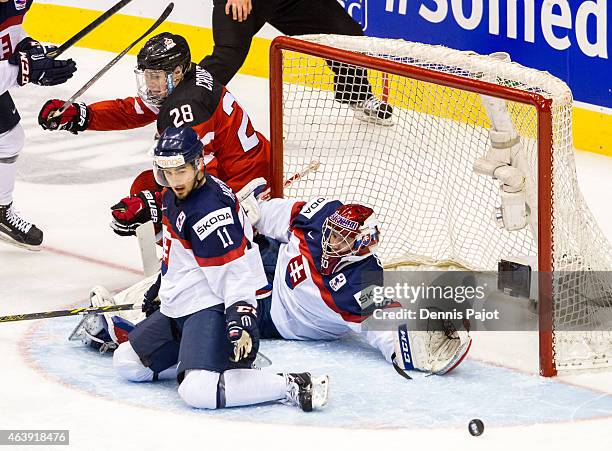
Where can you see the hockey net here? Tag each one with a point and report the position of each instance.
(418, 174)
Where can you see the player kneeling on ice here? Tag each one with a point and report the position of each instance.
(325, 261)
(205, 332)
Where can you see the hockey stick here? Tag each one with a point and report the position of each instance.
(71, 312)
(313, 166)
(88, 29)
(106, 68)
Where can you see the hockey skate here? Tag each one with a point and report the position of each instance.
(17, 231)
(307, 392)
(373, 110)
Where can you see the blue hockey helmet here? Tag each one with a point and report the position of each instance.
(176, 147)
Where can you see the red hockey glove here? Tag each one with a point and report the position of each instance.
(75, 119)
(132, 211)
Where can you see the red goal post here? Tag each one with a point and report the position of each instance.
(282, 46)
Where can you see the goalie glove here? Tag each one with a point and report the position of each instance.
(35, 67)
(250, 196)
(242, 330)
(132, 211)
(433, 351)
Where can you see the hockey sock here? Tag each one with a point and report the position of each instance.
(246, 387)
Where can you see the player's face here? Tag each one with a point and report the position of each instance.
(181, 179)
(340, 244)
(156, 82)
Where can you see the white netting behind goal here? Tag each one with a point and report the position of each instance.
(418, 173)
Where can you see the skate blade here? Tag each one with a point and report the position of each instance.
(320, 391)
(374, 119)
(8, 240)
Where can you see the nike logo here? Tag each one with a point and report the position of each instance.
(310, 235)
(14, 110)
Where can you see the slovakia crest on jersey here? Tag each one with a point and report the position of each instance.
(20, 4)
(296, 272)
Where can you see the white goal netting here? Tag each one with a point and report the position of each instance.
(418, 172)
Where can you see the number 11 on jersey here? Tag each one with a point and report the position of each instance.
(225, 240)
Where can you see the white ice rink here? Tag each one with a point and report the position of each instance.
(66, 186)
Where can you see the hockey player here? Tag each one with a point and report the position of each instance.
(22, 61)
(325, 267)
(205, 333)
(176, 92)
(235, 22)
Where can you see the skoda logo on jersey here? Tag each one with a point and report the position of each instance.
(358, 10)
(180, 220)
(20, 4)
(337, 282)
(213, 221)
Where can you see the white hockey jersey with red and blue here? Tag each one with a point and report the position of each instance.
(12, 14)
(305, 304)
(209, 256)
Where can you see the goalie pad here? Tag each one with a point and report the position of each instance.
(513, 214)
(434, 352)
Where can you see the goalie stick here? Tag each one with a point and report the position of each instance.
(148, 248)
(106, 68)
(88, 29)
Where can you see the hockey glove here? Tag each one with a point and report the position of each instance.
(250, 196)
(75, 119)
(150, 302)
(35, 67)
(132, 211)
(242, 330)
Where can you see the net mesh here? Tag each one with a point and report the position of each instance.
(416, 170)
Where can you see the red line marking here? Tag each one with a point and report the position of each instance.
(93, 260)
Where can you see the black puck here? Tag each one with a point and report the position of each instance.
(476, 427)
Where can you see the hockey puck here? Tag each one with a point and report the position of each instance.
(476, 427)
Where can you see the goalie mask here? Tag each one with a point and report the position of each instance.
(157, 67)
(349, 235)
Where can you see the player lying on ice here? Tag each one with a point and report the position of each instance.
(176, 92)
(324, 261)
(205, 332)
